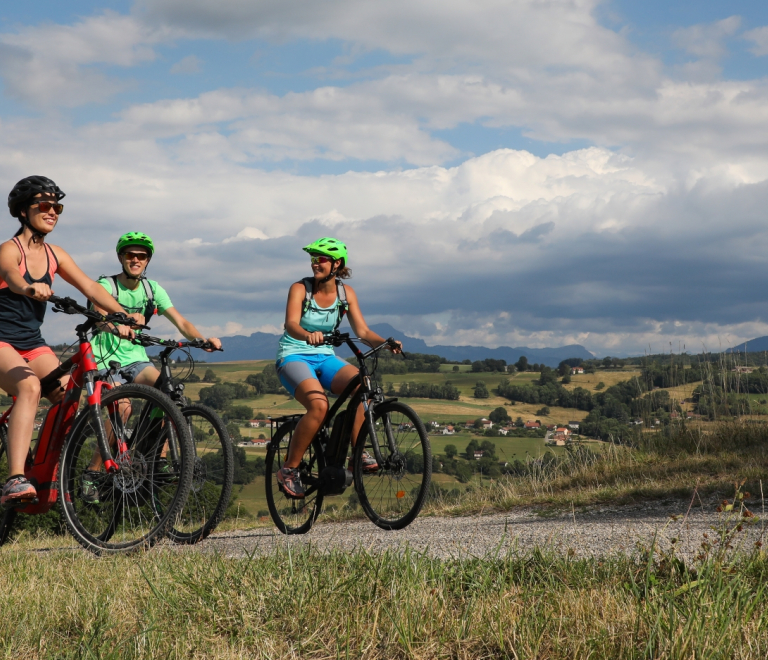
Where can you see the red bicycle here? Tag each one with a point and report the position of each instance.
(140, 436)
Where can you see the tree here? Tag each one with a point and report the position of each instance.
(607, 362)
(566, 379)
(544, 412)
(481, 391)
(472, 447)
(451, 451)
(488, 448)
(600, 385)
(499, 415)
(210, 376)
(239, 412)
(522, 363)
(455, 367)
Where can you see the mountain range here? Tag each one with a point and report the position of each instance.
(757, 345)
(263, 346)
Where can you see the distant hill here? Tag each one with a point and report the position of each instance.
(263, 346)
(757, 345)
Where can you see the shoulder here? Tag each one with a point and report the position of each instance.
(297, 287)
(58, 252)
(10, 246)
(349, 290)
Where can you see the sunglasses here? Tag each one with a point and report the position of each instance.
(140, 256)
(45, 207)
(320, 259)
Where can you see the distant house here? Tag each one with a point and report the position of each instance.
(674, 415)
(564, 430)
(434, 425)
(504, 430)
(487, 424)
(577, 370)
(449, 430)
(478, 454)
(743, 370)
(259, 443)
(255, 423)
(532, 425)
(559, 438)
(574, 426)
(551, 427)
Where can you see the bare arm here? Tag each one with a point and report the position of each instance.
(359, 325)
(10, 258)
(71, 273)
(186, 327)
(293, 311)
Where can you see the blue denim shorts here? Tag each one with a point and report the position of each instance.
(294, 369)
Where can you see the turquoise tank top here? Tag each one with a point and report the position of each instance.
(315, 319)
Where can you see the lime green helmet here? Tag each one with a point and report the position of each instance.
(329, 247)
(135, 238)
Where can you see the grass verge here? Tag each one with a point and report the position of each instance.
(292, 604)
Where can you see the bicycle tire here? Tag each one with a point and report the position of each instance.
(393, 495)
(137, 504)
(211, 479)
(8, 516)
(292, 516)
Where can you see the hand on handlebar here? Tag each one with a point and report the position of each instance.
(316, 339)
(213, 344)
(39, 291)
(394, 346)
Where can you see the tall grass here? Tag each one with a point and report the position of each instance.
(305, 604)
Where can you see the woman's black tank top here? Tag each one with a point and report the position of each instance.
(22, 316)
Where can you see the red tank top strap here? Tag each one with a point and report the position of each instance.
(23, 264)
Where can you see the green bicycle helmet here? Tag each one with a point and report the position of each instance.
(329, 247)
(135, 238)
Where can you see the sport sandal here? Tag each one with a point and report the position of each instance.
(290, 482)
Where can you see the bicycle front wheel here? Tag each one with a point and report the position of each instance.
(393, 494)
(294, 516)
(132, 508)
(211, 479)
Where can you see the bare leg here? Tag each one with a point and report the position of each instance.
(309, 394)
(20, 381)
(339, 382)
(147, 376)
(42, 366)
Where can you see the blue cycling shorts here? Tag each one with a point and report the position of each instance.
(298, 367)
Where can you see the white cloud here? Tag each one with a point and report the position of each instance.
(187, 65)
(759, 37)
(706, 39)
(51, 65)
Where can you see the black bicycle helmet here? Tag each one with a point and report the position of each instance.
(27, 188)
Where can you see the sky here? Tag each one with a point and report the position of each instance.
(518, 172)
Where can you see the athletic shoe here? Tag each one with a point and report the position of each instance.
(290, 482)
(89, 489)
(165, 469)
(17, 489)
(369, 463)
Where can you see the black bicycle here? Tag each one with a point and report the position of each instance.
(391, 495)
(214, 463)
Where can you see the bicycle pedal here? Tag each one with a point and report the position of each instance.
(22, 503)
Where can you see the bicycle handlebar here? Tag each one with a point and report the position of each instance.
(337, 338)
(71, 306)
(148, 340)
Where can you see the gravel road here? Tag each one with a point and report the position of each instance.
(596, 532)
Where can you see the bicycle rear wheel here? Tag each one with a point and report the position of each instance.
(393, 495)
(212, 477)
(294, 516)
(134, 507)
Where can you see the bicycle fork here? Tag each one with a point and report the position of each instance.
(94, 407)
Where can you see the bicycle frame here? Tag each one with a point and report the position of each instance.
(358, 391)
(42, 464)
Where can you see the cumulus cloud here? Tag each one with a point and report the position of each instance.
(706, 40)
(52, 65)
(759, 37)
(187, 65)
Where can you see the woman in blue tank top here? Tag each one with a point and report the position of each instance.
(27, 268)
(305, 366)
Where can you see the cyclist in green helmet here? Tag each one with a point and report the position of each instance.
(141, 298)
(305, 366)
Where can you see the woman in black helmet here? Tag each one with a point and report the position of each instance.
(27, 268)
